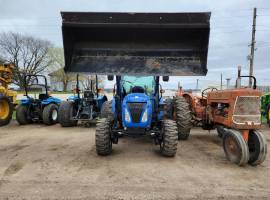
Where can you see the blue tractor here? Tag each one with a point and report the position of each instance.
(138, 49)
(137, 110)
(79, 107)
(43, 108)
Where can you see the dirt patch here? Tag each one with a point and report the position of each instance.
(57, 147)
(13, 168)
(14, 148)
(61, 163)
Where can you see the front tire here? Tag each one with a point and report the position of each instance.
(183, 117)
(257, 148)
(66, 110)
(6, 111)
(50, 114)
(168, 146)
(103, 137)
(106, 110)
(235, 147)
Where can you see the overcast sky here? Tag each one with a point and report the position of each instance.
(230, 34)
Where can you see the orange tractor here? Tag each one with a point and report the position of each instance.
(236, 115)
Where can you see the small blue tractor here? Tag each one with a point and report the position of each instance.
(42, 109)
(137, 49)
(83, 108)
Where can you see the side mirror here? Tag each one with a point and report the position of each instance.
(162, 91)
(165, 78)
(110, 77)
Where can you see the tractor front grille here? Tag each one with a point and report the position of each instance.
(136, 110)
(247, 110)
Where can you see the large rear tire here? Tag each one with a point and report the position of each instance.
(168, 146)
(6, 110)
(50, 114)
(103, 137)
(183, 117)
(22, 115)
(257, 147)
(235, 147)
(106, 110)
(66, 111)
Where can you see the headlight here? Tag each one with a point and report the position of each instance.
(127, 117)
(144, 117)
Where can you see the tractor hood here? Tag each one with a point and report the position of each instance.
(136, 43)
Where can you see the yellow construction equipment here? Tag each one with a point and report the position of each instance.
(7, 97)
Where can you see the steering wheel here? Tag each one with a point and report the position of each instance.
(205, 91)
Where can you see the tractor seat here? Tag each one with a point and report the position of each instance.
(88, 94)
(137, 89)
(42, 96)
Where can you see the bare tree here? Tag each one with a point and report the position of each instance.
(57, 70)
(29, 55)
(58, 74)
(90, 80)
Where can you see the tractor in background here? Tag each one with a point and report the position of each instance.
(236, 115)
(265, 107)
(42, 108)
(7, 97)
(137, 49)
(79, 107)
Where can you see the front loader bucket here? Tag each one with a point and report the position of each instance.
(136, 43)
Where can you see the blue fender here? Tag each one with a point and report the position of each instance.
(25, 101)
(73, 98)
(51, 100)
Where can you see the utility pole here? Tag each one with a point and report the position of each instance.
(251, 57)
(238, 80)
(221, 81)
(228, 82)
(197, 84)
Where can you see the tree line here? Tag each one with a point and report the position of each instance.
(31, 55)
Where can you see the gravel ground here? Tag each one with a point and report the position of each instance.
(50, 162)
